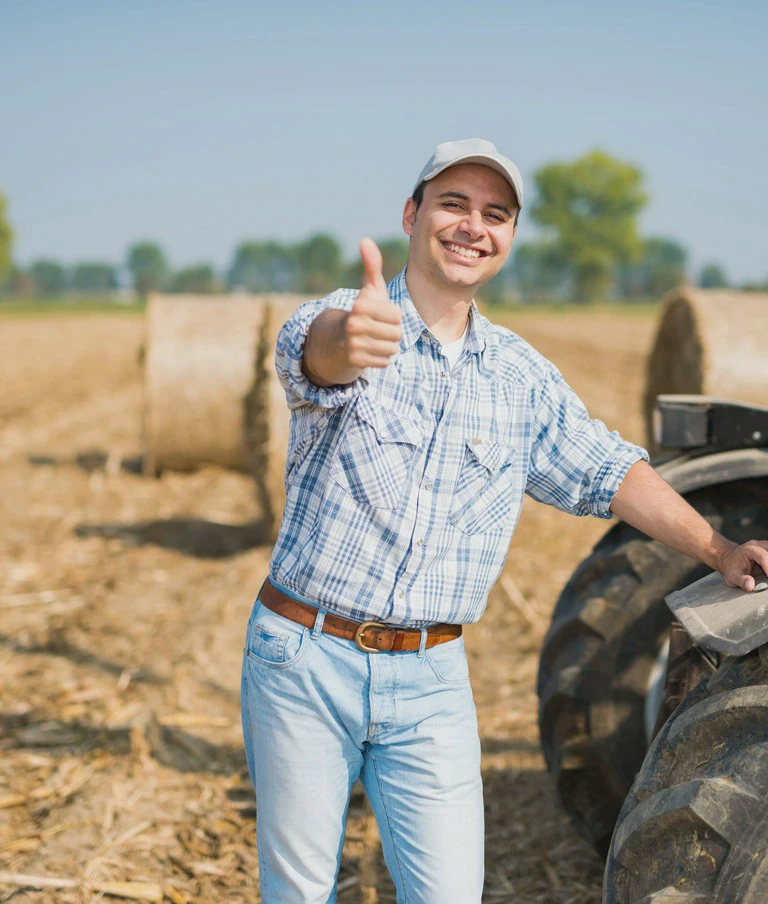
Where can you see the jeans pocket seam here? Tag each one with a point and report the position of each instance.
(300, 653)
(439, 675)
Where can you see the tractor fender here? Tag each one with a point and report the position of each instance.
(686, 473)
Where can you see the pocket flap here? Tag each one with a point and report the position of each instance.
(490, 454)
(390, 426)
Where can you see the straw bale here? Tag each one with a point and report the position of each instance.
(199, 368)
(268, 417)
(211, 394)
(709, 342)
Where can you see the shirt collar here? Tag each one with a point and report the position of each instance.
(414, 326)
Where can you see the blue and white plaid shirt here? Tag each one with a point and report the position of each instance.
(404, 487)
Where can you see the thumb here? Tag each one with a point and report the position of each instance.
(372, 263)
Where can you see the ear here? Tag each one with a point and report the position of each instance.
(409, 216)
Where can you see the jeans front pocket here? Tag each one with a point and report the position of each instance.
(273, 641)
(448, 662)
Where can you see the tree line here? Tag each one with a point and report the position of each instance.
(587, 247)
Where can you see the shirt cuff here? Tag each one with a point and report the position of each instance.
(299, 390)
(610, 475)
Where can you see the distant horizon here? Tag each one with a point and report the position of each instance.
(201, 126)
(122, 271)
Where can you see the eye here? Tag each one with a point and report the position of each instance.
(496, 217)
(452, 204)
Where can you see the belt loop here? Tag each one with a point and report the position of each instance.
(422, 642)
(317, 628)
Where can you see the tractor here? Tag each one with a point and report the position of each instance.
(657, 744)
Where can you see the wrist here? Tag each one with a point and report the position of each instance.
(721, 547)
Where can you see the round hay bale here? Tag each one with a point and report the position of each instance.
(268, 417)
(201, 354)
(709, 342)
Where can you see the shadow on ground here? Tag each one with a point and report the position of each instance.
(58, 645)
(169, 745)
(191, 536)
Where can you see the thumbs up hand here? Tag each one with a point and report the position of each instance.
(372, 328)
(341, 344)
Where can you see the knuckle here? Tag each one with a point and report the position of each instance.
(355, 325)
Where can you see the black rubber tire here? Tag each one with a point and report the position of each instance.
(607, 630)
(694, 827)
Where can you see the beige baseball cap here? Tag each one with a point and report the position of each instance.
(472, 150)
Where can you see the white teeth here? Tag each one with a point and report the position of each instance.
(459, 249)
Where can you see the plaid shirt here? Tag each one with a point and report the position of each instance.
(404, 487)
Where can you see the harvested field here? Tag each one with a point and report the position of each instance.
(123, 604)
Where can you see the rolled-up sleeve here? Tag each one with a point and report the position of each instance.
(576, 463)
(290, 350)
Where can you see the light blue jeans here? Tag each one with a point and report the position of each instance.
(318, 713)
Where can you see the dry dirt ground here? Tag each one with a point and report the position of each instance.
(123, 604)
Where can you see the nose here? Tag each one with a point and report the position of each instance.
(472, 224)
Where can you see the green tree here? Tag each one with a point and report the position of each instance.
(712, 276)
(264, 267)
(148, 267)
(755, 286)
(540, 270)
(6, 240)
(94, 277)
(320, 264)
(50, 276)
(199, 278)
(660, 268)
(394, 256)
(20, 282)
(590, 208)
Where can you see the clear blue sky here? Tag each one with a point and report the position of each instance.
(199, 124)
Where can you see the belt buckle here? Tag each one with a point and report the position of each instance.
(359, 636)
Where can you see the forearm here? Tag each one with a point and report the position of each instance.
(325, 361)
(649, 503)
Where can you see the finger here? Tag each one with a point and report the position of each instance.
(759, 554)
(370, 360)
(367, 311)
(379, 361)
(748, 583)
(388, 331)
(367, 346)
(372, 264)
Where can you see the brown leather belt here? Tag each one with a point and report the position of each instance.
(372, 637)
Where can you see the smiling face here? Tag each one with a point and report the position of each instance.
(463, 229)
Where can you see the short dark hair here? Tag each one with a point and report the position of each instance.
(418, 197)
(418, 194)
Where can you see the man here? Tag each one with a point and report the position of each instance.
(416, 428)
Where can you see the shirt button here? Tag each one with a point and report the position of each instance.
(420, 542)
(401, 593)
(442, 373)
(428, 484)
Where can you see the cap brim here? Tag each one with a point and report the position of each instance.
(483, 160)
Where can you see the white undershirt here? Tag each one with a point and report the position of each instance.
(453, 350)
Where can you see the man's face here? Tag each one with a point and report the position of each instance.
(464, 227)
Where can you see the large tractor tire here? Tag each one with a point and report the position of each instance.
(603, 661)
(694, 828)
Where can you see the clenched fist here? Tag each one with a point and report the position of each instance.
(372, 328)
(341, 344)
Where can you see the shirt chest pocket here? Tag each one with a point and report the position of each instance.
(374, 460)
(485, 490)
